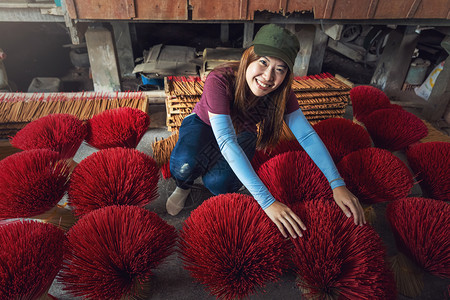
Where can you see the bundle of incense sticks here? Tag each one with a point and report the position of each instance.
(324, 112)
(178, 107)
(184, 86)
(324, 81)
(434, 135)
(321, 96)
(16, 109)
(305, 95)
(25, 107)
(182, 95)
(338, 105)
(321, 100)
(163, 148)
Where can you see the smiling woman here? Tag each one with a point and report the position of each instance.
(218, 140)
(265, 75)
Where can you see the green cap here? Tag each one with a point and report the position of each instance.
(273, 40)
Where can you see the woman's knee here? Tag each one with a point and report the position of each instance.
(181, 169)
(221, 184)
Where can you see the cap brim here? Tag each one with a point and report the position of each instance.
(264, 50)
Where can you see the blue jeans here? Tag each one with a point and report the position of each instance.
(197, 154)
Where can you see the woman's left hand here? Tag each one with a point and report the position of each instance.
(349, 204)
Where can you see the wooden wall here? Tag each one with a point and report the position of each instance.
(128, 9)
(204, 10)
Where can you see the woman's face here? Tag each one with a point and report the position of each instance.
(265, 75)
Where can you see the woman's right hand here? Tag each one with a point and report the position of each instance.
(285, 219)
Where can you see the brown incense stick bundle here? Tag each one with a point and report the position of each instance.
(163, 148)
(27, 110)
(16, 110)
(180, 85)
(434, 135)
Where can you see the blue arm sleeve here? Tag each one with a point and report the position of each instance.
(313, 145)
(225, 135)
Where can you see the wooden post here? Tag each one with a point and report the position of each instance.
(305, 35)
(393, 64)
(249, 28)
(318, 51)
(224, 32)
(103, 59)
(122, 38)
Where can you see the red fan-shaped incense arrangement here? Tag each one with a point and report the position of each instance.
(115, 176)
(375, 175)
(292, 177)
(31, 254)
(335, 259)
(430, 161)
(62, 133)
(261, 156)
(342, 136)
(394, 129)
(113, 250)
(119, 127)
(231, 246)
(31, 183)
(366, 99)
(421, 229)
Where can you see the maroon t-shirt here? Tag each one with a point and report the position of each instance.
(218, 95)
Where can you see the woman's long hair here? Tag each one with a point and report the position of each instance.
(271, 126)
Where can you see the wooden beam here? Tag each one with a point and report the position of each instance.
(372, 9)
(342, 48)
(413, 9)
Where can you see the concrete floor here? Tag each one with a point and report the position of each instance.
(171, 281)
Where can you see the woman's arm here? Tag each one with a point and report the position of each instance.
(279, 213)
(313, 145)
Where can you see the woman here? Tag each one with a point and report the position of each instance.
(218, 140)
